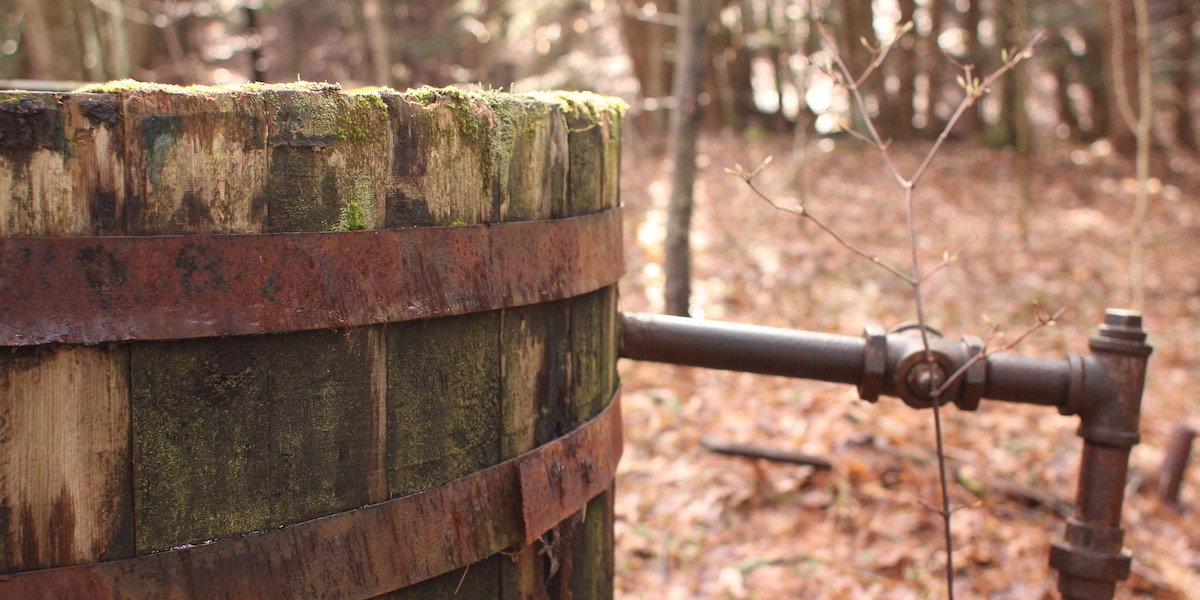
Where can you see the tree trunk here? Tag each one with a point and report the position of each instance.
(936, 68)
(685, 121)
(50, 37)
(906, 72)
(731, 79)
(1094, 73)
(645, 41)
(1003, 132)
(1022, 132)
(779, 51)
(1142, 142)
(1185, 124)
(257, 70)
(1122, 74)
(375, 22)
(972, 121)
(858, 33)
(1059, 57)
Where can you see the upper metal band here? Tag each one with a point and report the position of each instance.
(88, 290)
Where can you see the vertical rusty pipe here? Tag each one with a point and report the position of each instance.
(1089, 558)
(1170, 475)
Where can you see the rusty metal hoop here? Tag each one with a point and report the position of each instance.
(90, 290)
(361, 553)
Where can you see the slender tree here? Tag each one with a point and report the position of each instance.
(972, 120)
(1122, 78)
(1022, 130)
(1185, 123)
(1141, 129)
(1059, 59)
(685, 121)
(646, 34)
(934, 65)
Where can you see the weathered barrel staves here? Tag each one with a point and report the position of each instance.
(198, 410)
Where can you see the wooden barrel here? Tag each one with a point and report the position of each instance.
(236, 316)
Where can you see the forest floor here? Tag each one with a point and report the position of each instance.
(693, 524)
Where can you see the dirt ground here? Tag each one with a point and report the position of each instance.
(692, 524)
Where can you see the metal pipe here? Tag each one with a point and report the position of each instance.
(1027, 380)
(1089, 558)
(820, 356)
(748, 348)
(1104, 389)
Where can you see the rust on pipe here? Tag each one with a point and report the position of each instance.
(89, 290)
(747, 348)
(1089, 557)
(1174, 464)
(368, 551)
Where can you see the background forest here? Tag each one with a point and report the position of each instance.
(1041, 172)
(762, 54)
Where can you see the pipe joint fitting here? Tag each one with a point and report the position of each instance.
(975, 379)
(1106, 386)
(918, 373)
(874, 363)
(1085, 573)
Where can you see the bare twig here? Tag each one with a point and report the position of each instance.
(462, 579)
(852, 85)
(1042, 321)
(802, 211)
(973, 89)
(948, 259)
(880, 53)
(1141, 203)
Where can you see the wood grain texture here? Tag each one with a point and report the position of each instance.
(63, 455)
(444, 403)
(594, 143)
(64, 412)
(194, 163)
(441, 172)
(245, 433)
(534, 339)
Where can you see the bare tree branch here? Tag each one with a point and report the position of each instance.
(973, 89)
(802, 211)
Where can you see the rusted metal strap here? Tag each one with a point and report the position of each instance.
(88, 290)
(369, 551)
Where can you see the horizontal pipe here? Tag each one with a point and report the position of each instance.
(747, 348)
(1027, 380)
(819, 356)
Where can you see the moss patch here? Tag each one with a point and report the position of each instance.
(583, 104)
(357, 214)
(364, 120)
(121, 86)
(498, 122)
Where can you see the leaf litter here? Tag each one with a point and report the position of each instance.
(694, 524)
